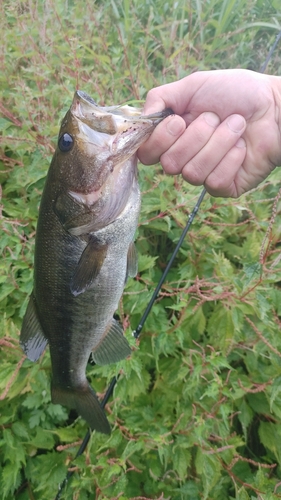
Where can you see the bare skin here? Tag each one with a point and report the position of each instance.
(226, 131)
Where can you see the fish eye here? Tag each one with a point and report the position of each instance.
(65, 143)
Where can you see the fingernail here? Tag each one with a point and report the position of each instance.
(236, 123)
(241, 143)
(211, 118)
(175, 126)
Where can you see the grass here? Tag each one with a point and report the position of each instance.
(197, 411)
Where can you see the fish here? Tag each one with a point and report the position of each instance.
(84, 248)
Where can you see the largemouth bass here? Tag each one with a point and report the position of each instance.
(84, 248)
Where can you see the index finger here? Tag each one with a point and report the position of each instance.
(162, 138)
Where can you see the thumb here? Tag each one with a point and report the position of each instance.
(154, 102)
(175, 95)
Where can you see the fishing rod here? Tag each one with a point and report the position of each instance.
(136, 333)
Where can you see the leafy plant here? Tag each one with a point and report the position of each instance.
(196, 412)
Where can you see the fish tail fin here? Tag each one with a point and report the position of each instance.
(86, 403)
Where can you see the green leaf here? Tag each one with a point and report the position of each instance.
(270, 438)
(245, 416)
(208, 468)
(252, 272)
(181, 461)
(10, 479)
(43, 439)
(20, 430)
(221, 327)
(242, 494)
(145, 262)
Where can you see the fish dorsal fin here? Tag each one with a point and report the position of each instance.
(113, 346)
(132, 261)
(88, 267)
(32, 339)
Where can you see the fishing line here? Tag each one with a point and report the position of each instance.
(137, 331)
(269, 55)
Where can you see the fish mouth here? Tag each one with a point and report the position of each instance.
(112, 119)
(108, 138)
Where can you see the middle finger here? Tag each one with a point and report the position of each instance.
(202, 146)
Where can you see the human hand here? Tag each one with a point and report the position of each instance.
(225, 133)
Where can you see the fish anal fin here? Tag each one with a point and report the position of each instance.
(88, 267)
(113, 346)
(132, 261)
(85, 402)
(32, 339)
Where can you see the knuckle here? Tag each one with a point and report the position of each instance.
(200, 133)
(193, 174)
(170, 163)
(217, 182)
(152, 94)
(146, 158)
(154, 100)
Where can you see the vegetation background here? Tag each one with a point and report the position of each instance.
(196, 413)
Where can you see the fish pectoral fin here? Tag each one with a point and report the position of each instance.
(113, 346)
(75, 217)
(88, 267)
(81, 224)
(85, 402)
(132, 261)
(32, 338)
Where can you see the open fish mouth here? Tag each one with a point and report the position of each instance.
(116, 132)
(110, 133)
(112, 119)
